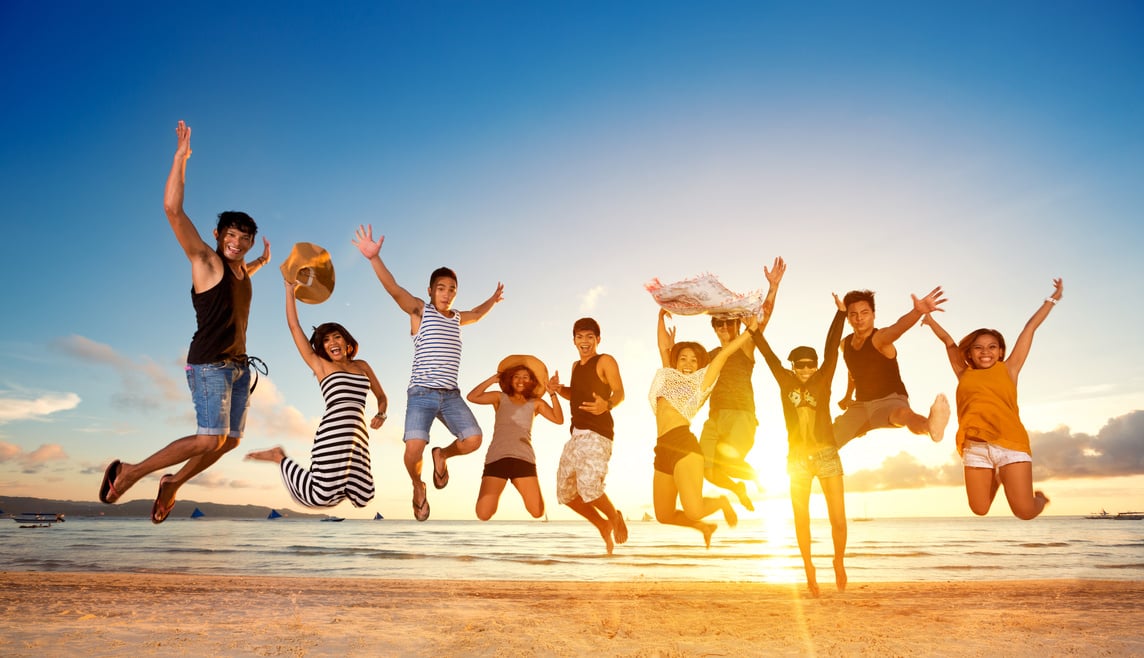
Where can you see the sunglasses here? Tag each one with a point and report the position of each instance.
(724, 323)
(803, 365)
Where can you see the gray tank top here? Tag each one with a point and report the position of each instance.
(512, 433)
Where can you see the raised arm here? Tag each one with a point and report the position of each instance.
(378, 392)
(481, 393)
(206, 267)
(928, 304)
(256, 264)
(665, 338)
(1016, 357)
(774, 278)
(363, 240)
(316, 363)
(956, 358)
(478, 312)
(551, 412)
(830, 351)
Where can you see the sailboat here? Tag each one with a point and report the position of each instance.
(274, 514)
(377, 516)
(197, 514)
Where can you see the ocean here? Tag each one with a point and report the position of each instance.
(879, 550)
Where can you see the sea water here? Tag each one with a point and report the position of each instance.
(920, 549)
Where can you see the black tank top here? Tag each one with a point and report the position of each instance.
(874, 375)
(584, 383)
(221, 314)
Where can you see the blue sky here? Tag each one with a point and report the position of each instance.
(573, 151)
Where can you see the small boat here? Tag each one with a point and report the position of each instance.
(1130, 516)
(646, 517)
(862, 519)
(334, 519)
(38, 519)
(273, 514)
(1100, 515)
(197, 514)
(378, 517)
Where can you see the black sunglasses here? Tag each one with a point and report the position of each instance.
(803, 365)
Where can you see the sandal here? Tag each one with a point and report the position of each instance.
(420, 509)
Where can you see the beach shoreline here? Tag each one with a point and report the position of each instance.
(107, 614)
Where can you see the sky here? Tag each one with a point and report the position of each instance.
(573, 152)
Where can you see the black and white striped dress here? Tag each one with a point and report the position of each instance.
(339, 460)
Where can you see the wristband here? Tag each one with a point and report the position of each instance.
(1051, 301)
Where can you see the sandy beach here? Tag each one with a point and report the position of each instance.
(59, 614)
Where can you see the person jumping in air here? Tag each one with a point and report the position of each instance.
(432, 393)
(678, 391)
(339, 458)
(811, 453)
(523, 382)
(875, 395)
(991, 439)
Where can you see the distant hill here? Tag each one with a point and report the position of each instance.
(139, 508)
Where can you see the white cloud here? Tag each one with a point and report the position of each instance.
(12, 409)
(588, 300)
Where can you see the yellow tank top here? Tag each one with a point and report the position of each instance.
(987, 410)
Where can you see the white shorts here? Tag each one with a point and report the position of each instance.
(583, 466)
(979, 454)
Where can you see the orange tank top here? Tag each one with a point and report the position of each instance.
(987, 409)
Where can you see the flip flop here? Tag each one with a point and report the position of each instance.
(440, 477)
(159, 512)
(107, 492)
(421, 510)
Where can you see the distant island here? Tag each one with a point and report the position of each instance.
(11, 505)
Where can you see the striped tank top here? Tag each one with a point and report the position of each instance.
(436, 350)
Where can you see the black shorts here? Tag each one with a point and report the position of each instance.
(673, 446)
(509, 468)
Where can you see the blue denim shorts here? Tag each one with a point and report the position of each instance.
(221, 393)
(423, 404)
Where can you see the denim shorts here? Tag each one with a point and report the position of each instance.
(423, 404)
(816, 462)
(221, 393)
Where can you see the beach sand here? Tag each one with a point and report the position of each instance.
(116, 614)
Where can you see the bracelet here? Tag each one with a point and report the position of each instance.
(381, 415)
(1051, 301)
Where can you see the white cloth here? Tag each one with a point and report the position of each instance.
(681, 391)
(705, 294)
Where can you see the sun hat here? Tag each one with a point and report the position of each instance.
(310, 265)
(539, 372)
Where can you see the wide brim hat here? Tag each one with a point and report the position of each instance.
(310, 265)
(532, 363)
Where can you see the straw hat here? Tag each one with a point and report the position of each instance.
(310, 265)
(532, 363)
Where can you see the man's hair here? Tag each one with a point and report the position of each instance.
(700, 353)
(239, 220)
(441, 273)
(322, 331)
(586, 324)
(859, 296)
(967, 342)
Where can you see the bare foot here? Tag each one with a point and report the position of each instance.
(740, 490)
(839, 574)
(728, 512)
(938, 417)
(274, 454)
(707, 529)
(619, 528)
(606, 530)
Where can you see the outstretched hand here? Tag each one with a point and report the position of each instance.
(363, 240)
(265, 251)
(553, 385)
(183, 132)
(838, 302)
(775, 274)
(930, 303)
(1058, 288)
